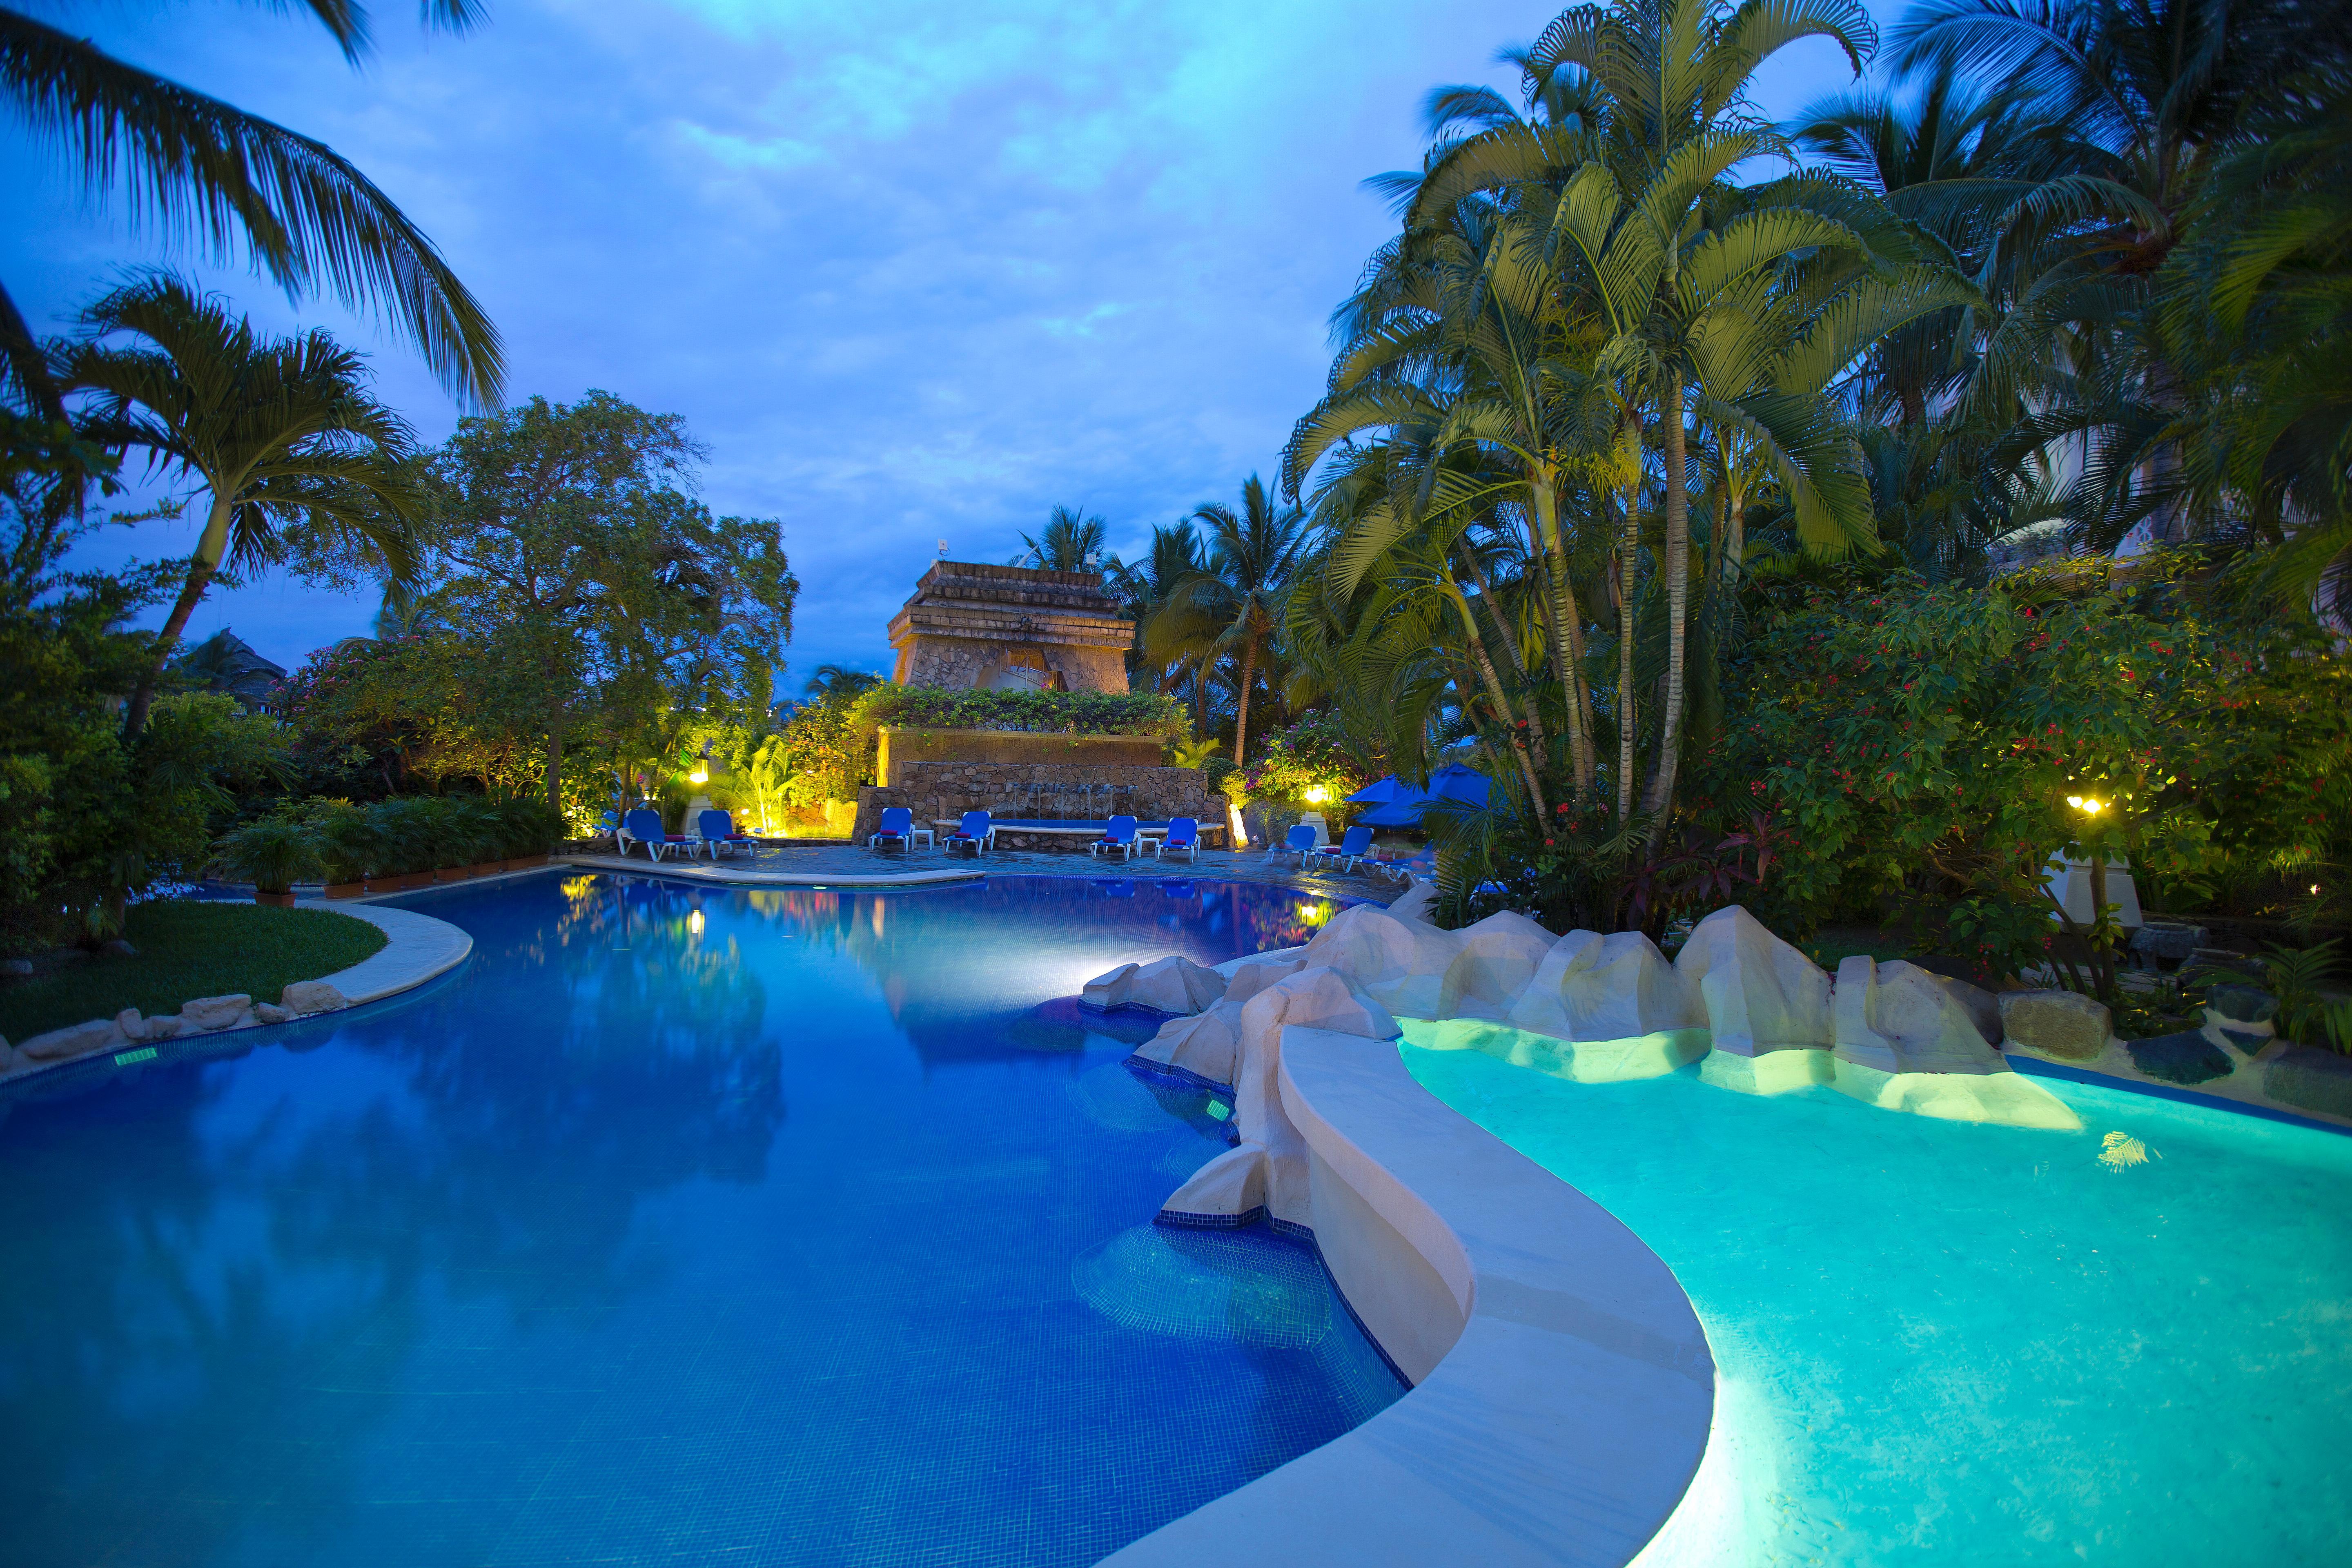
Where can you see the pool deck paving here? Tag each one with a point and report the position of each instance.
(853, 866)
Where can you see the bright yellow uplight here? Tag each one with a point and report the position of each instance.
(701, 774)
(1317, 794)
(2086, 805)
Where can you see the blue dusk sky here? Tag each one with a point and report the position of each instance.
(912, 271)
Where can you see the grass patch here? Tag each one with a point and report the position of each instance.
(186, 951)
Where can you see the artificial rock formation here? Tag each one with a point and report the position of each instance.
(2057, 1023)
(1900, 1019)
(1208, 1045)
(1754, 1012)
(1164, 985)
(1613, 987)
(1760, 994)
(1268, 1168)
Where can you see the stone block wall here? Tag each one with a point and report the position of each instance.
(1018, 750)
(944, 790)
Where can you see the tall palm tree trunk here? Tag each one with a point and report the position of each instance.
(1502, 702)
(1628, 551)
(1560, 625)
(203, 566)
(1240, 702)
(1676, 567)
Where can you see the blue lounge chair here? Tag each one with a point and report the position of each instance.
(976, 829)
(1118, 835)
(1353, 846)
(897, 824)
(1298, 841)
(1184, 833)
(644, 825)
(716, 831)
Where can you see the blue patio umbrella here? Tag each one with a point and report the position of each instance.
(1384, 791)
(1465, 786)
(1452, 785)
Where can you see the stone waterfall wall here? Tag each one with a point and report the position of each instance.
(945, 791)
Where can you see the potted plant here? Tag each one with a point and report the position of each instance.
(273, 854)
(403, 829)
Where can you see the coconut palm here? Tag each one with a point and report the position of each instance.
(284, 435)
(195, 166)
(1144, 586)
(1234, 606)
(1070, 541)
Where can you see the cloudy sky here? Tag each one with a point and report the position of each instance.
(913, 270)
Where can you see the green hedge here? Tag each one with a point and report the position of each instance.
(1077, 712)
(406, 833)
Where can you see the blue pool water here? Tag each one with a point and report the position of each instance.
(680, 1227)
(1951, 1343)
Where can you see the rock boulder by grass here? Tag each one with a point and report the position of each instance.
(186, 951)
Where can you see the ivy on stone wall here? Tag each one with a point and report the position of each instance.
(1077, 713)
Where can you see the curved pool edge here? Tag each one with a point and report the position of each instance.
(722, 876)
(1565, 1390)
(417, 948)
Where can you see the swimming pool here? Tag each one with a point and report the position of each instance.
(680, 1224)
(1940, 1341)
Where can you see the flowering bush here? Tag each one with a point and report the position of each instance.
(1315, 752)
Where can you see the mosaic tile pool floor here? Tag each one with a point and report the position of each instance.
(681, 1225)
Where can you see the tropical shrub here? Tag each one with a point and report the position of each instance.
(273, 853)
(1928, 749)
(400, 836)
(1079, 713)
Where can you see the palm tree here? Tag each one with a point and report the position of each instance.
(1070, 541)
(1143, 587)
(838, 683)
(195, 165)
(1234, 606)
(285, 436)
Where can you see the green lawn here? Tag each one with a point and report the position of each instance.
(186, 951)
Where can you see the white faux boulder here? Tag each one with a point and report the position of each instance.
(207, 1013)
(1164, 985)
(1760, 994)
(1493, 963)
(1318, 998)
(1230, 1186)
(1415, 903)
(1400, 964)
(1252, 975)
(271, 1013)
(1207, 1045)
(1613, 987)
(75, 1040)
(306, 997)
(1900, 1019)
(133, 1025)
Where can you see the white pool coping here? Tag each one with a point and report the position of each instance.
(417, 948)
(1565, 1387)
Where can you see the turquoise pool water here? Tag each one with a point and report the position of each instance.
(680, 1227)
(1953, 1343)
